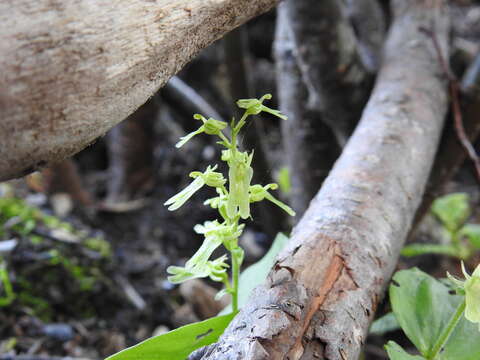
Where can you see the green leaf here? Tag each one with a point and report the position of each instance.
(256, 273)
(452, 210)
(422, 249)
(177, 344)
(395, 352)
(472, 233)
(423, 306)
(384, 324)
(463, 344)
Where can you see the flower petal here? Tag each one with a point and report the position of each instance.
(178, 200)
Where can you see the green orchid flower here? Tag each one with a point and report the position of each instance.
(215, 269)
(181, 198)
(227, 233)
(255, 106)
(199, 265)
(210, 126)
(233, 204)
(239, 177)
(209, 177)
(259, 193)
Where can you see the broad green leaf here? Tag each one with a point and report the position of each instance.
(422, 249)
(179, 343)
(396, 352)
(463, 344)
(472, 233)
(384, 324)
(452, 210)
(422, 305)
(256, 273)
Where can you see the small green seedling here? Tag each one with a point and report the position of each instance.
(440, 318)
(232, 202)
(452, 211)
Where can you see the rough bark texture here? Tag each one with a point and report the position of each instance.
(70, 70)
(327, 57)
(309, 144)
(325, 286)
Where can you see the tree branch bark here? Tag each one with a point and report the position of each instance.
(309, 144)
(326, 54)
(323, 291)
(70, 70)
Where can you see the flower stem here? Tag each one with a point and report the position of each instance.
(235, 275)
(447, 331)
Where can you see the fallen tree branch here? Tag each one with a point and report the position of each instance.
(369, 24)
(309, 144)
(326, 54)
(69, 71)
(323, 291)
(182, 95)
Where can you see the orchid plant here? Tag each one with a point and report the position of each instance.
(232, 201)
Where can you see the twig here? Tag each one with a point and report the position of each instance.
(455, 95)
(177, 90)
(131, 293)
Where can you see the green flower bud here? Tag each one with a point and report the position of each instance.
(226, 155)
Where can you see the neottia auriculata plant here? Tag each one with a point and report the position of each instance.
(232, 201)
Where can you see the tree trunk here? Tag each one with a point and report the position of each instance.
(323, 291)
(70, 70)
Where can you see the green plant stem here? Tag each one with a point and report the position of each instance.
(235, 276)
(443, 338)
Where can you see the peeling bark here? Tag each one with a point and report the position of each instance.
(323, 291)
(70, 70)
